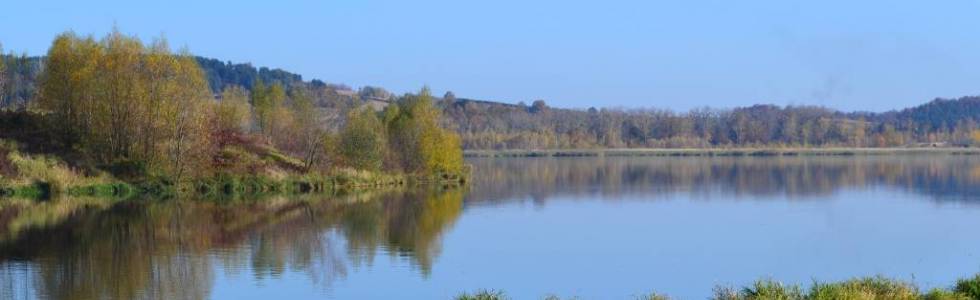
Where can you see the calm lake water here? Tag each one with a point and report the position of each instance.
(595, 228)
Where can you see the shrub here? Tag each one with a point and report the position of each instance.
(652, 296)
(362, 140)
(42, 169)
(771, 290)
(724, 293)
(483, 295)
(6, 166)
(969, 287)
(128, 169)
(942, 294)
(865, 288)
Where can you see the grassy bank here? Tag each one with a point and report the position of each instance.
(720, 152)
(43, 176)
(340, 180)
(226, 185)
(870, 288)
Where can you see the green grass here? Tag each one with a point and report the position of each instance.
(650, 296)
(771, 290)
(33, 169)
(222, 186)
(864, 288)
(34, 191)
(941, 294)
(114, 190)
(245, 172)
(41, 176)
(969, 287)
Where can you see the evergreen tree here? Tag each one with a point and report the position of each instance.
(3, 76)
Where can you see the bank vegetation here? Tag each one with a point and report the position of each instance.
(115, 116)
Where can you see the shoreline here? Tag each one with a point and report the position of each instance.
(231, 185)
(708, 152)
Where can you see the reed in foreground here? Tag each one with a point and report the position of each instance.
(864, 288)
(483, 295)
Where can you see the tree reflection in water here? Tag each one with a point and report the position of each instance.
(86, 248)
(942, 177)
(76, 248)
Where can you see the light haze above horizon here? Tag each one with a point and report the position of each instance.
(679, 55)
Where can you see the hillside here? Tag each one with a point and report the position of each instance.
(104, 116)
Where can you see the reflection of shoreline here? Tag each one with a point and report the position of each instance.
(942, 178)
(171, 249)
(708, 152)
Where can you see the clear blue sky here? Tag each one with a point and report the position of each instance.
(852, 55)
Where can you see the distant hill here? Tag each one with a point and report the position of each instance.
(493, 125)
(942, 114)
(222, 74)
(22, 73)
(497, 125)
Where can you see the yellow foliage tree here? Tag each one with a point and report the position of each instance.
(305, 127)
(362, 140)
(117, 100)
(267, 102)
(416, 133)
(186, 133)
(233, 112)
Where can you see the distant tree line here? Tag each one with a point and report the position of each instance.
(18, 78)
(224, 74)
(491, 125)
(270, 94)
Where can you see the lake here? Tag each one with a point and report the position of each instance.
(594, 228)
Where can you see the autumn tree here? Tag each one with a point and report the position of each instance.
(260, 104)
(416, 134)
(306, 131)
(789, 132)
(118, 100)
(448, 99)
(538, 106)
(277, 115)
(362, 140)
(890, 137)
(186, 139)
(270, 114)
(68, 87)
(858, 133)
(233, 111)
